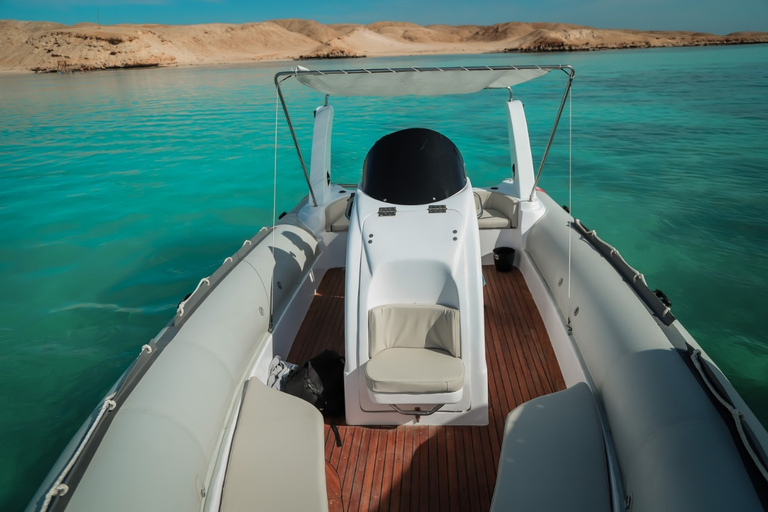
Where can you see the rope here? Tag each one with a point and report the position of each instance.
(180, 308)
(570, 199)
(738, 418)
(274, 210)
(59, 488)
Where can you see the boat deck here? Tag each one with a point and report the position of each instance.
(424, 467)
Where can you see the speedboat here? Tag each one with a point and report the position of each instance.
(498, 355)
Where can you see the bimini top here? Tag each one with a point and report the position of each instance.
(413, 166)
(433, 81)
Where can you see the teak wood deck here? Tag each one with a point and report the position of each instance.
(424, 467)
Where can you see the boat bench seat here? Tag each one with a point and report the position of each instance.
(499, 211)
(335, 220)
(414, 348)
(552, 456)
(277, 459)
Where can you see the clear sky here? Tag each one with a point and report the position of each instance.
(716, 16)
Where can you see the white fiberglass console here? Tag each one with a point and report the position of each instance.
(415, 347)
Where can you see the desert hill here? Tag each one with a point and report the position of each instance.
(42, 46)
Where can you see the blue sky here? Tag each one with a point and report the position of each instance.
(717, 16)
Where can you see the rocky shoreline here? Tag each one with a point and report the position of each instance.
(543, 48)
(52, 47)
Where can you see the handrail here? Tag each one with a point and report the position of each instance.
(635, 279)
(59, 488)
(733, 412)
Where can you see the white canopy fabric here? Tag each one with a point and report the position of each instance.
(415, 81)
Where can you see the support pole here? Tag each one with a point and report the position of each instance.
(295, 142)
(570, 73)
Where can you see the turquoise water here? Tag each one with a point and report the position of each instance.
(120, 190)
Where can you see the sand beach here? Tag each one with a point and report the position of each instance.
(47, 47)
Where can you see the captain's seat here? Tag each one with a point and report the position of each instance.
(416, 349)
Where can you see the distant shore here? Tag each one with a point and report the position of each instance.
(52, 47)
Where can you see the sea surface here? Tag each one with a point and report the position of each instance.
(120, 190)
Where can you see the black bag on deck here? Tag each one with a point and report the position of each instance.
(320, 381)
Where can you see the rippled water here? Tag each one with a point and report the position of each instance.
(120, 190)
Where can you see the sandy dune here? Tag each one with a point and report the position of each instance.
(42, 46)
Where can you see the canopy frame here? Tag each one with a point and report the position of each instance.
(302, 72)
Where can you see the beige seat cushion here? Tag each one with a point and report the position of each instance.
(493, 219)
(499, 210)
(277, 459)
(340, 224)
(335, 220)
(553, 457)
(414, 370)
(413, 326)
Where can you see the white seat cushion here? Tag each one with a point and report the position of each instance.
(553, 457)
(493, 219)
(277, 435)
(414, 370)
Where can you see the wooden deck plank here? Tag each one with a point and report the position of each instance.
(469, 458)
(528, 341)
(425, 492)
(397, 470)
(371, 465)
(453, 480)
(516, 323)
(461, 468)
(415, 469)
(405, 475)
(435, 468)
(386, 465)
(356, 487)
(442, 467)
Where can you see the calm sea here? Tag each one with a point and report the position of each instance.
(120, 190)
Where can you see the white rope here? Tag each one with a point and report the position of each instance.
(60, 489)
(180, 308)
(274, 209)
(570, 195)
(735, 413)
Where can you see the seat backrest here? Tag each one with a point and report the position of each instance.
(334, 215)
(502, 203)
(506, 205)
(414, 326)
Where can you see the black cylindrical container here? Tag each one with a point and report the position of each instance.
(503, 258)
